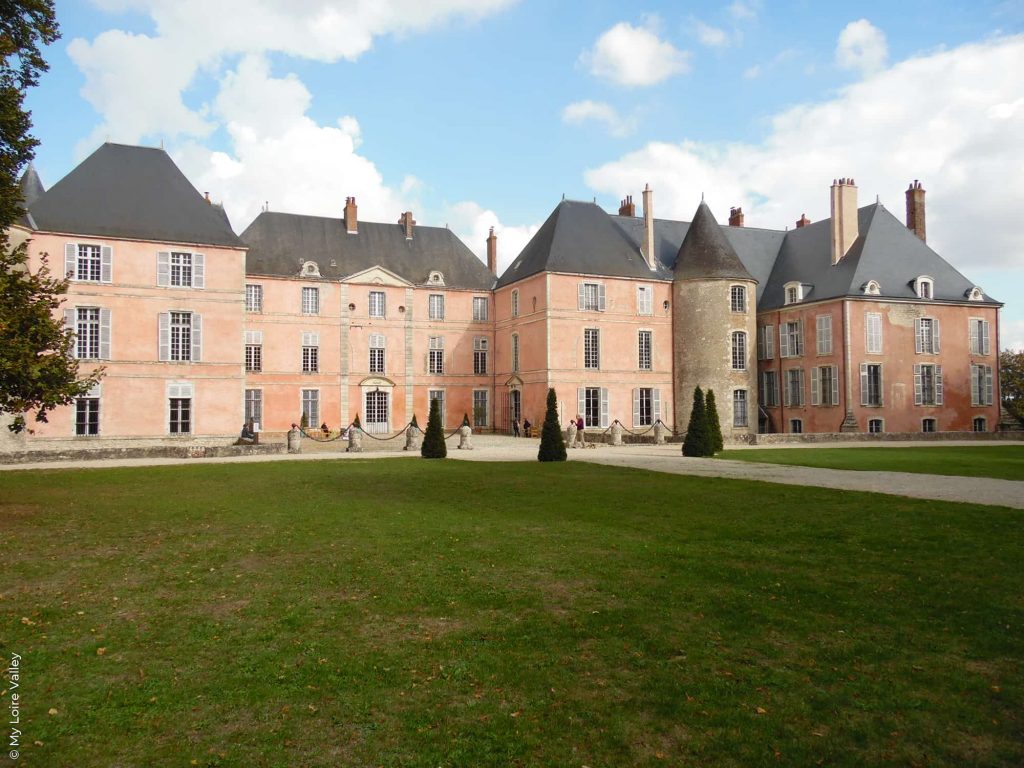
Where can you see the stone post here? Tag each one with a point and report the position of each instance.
(413, 438)
(616, 433)
(464, 434)
(294, 440)
(570, 435)
(355, 440)
(660, 430)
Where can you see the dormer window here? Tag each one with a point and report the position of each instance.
(974, 294)
(310, 269)
(436, 278)
(872, 288)
(924, 287)
(794, 292)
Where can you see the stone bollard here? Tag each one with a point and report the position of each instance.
(464, 434)
(355, 440)
(294, 440)
(570, 435)
(616, 433)
(413, 438)
(660, 430)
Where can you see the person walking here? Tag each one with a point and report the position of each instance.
(581, 438)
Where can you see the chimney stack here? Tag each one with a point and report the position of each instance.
(492, 252)
(648, 249)
(626, 207)
(804, 221)
(735, 217)
(407, 223)
(845, 227)
(210, 202)
(351, 222)
(915, 209)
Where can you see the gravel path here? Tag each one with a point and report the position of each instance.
(659, 458)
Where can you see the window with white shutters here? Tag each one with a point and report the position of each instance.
(926, 335)
(179, 398)
(646, 406)
(85, 262)
(825, 385)
(871, 384)
(824, 334)
(311, 301)
(791, 339)
(480, 345)
(644, 350)
(479, 309)
(769, 389)
(253, 351)
(377, 353)
(794, 387)
(981, 385)
(927, 384)
(591, 297)
(181, 336)
(377, 304)
(591, 349)
(766, 342)
(739, 351)
(873, 333)
(87, 333)
(739, 408)
(644, 300)
(435, 355)
(435, 306)
(310, 352)
(979, 335)
(593, 406)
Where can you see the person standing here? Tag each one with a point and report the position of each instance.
(515, 427)
(580, 435)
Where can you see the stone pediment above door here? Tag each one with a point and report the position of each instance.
(376, 381)
(377, 276)
(514, 381)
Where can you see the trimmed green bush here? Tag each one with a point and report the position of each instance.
(304, 421)
(714, 426)
(355, 422)
(433, 441)
(552, 443)
(696, 441)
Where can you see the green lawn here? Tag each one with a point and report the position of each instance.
(1001, 461)
(408, 613)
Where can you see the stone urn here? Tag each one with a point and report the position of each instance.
(660, 433)
(616, 433)
(294, 440)
(465, 432)
(413, 438)
(355, 440)
(570, 435)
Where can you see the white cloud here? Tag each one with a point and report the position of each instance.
(862, 47)
(744, 11)
(952, 119)
(598, 111)
(634, 56)
(759, 69)
(472, 223)
(712, 37)
(1011, 335)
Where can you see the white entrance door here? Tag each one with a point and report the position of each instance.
(377, 417)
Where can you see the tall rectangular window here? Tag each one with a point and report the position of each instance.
(927, 336)
(87, 416)
(181, 269)
(644, 300)
(311, 301)
(794, 387)
(311, 406)
(979, 335)
(765, 342)
(180, 418)
(479, 309)
(824, 385)
(310, 352)
(480, 355)
(739, 351)
(435, 355)
(89, 263)
(873, 333)
(437, 394)
(87, 330)
(254, 406)
(253, 358)
(592, 407)
(515, 353)
(591, 349)
(769, 389)
(644, 350)
(253, 298)
(377, 353)
(738, 300)
(739, 407)
(791, 339)
(181, 336)
(378, 304)
(435, 306)
(515, 302)
(928, 385)
(870, 384)
(480, 408)
(646, 406)
(591, 297)
(824, 337)
(981, 385)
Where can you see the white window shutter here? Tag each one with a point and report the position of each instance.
(835, 385)
(984, 337)
(165, 336)
(988, 385)
(636, 407)
(918, 340)
(600, 297)
(783, 343)
(938, 385)
(918, 397)
(163, 269)
(769, 341)
(198, 270)
(604, 408)
(656, 396)
(581, 402)
(106, 264)
(800, 395)
(973, 327)
(863, 383)
(785, 390)
(815, 382)
(70, 316)
(881, 386)
(197, 337)
(71, 260)
(936, 340)
(580, 295)
(314, 339)
(975, 389)
(105, 334)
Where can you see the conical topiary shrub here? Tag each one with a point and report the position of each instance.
(413, 422)
(696, 440)
(433, 441)
(552, 443)
(355, 422)
(714, 426)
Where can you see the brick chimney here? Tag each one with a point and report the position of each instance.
(351, 222)
(735, 217)
(407, 223)
(803, 222)
(626, 207)
(915, 209)
(648, 249)
(492, 252)
(845, 227)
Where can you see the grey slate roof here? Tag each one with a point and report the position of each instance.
(131, 192)
(280, 242)
(31, 185)
(706, 253)
(581, 238)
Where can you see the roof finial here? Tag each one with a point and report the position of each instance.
(702, 196)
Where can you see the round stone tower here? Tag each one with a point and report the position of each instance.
(714, 328)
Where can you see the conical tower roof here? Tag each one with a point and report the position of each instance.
(31, 185)
(706, 253)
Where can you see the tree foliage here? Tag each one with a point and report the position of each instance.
(433, 440)
(714, 425)
(37, 370)
(552, 442)
(1011, 381)
(697, 440)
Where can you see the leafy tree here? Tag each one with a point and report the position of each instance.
(696, 441)
(1011, 381)
(433, 440)
(714, 425)
(37, 371)
(552, 443)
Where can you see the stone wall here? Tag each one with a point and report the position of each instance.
(884, 437)
(153, 452)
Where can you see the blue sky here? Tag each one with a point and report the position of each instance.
(479, 113)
